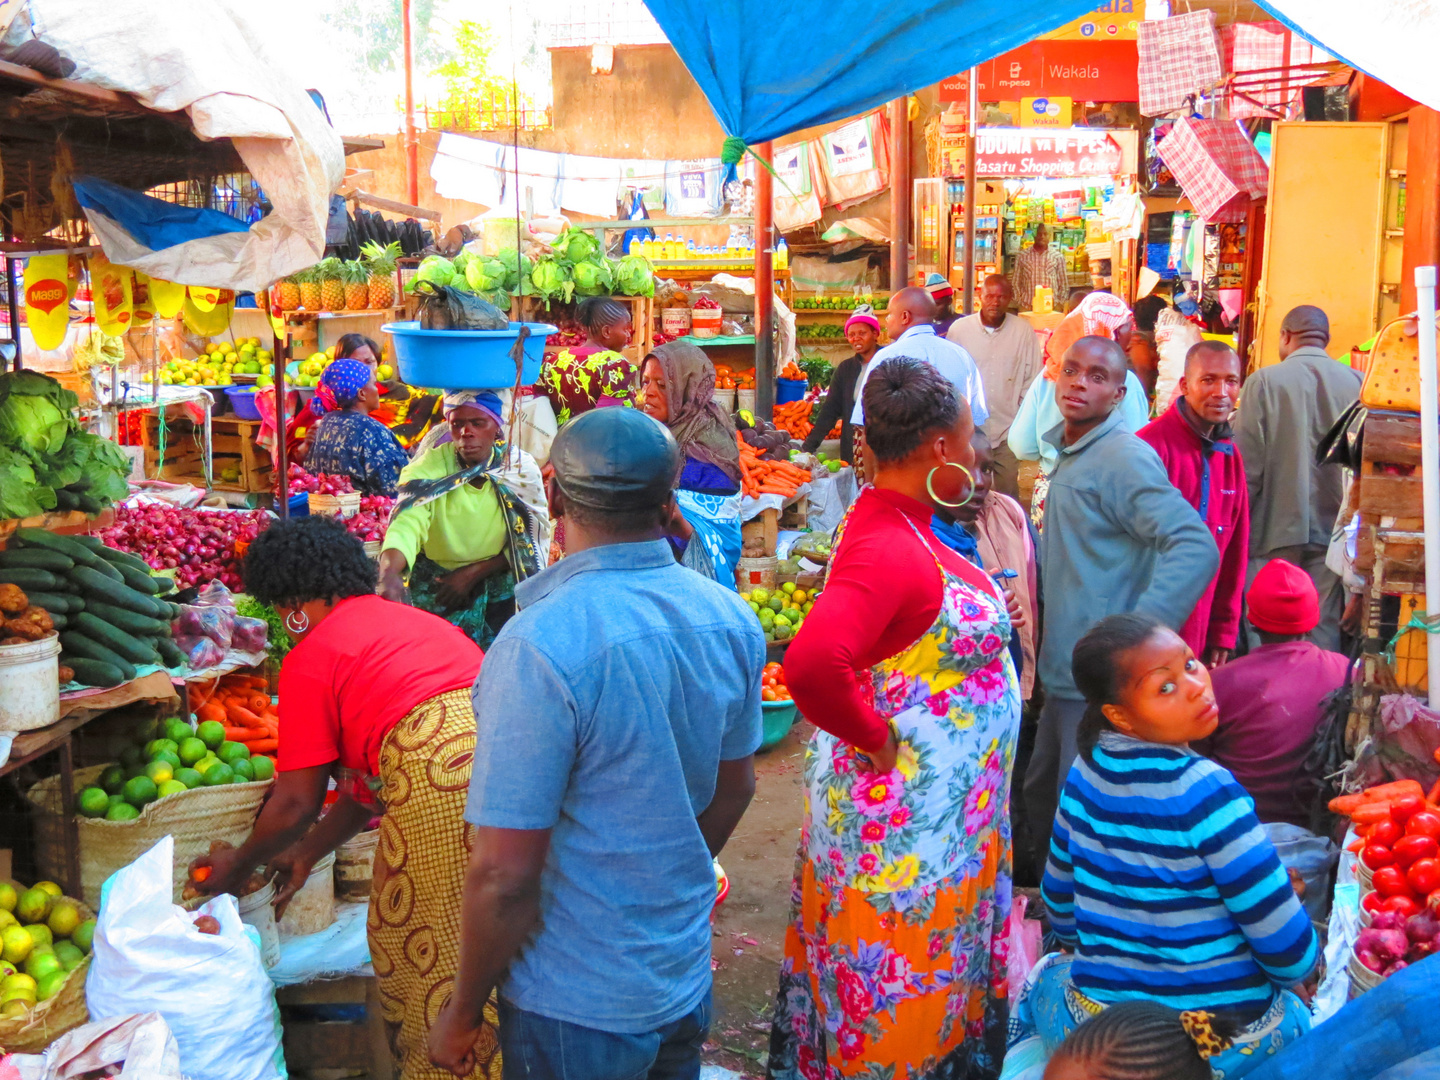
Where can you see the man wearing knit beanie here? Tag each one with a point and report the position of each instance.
(1272, 702)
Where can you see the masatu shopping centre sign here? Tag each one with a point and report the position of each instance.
(1007, 152)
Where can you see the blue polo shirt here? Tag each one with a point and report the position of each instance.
(603, 710)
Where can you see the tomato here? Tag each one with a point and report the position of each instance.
(1375, 856)
(1403, 904)
(767, 694)
(1410, 848)
(1406, 806)
(1374, 903)
(1390, 881)
(1423, 823)
(1424, 876)
(1384, 832)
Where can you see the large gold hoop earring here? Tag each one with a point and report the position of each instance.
(930, 490)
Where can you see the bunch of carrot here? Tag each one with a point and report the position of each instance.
(792, 371)
(242, 704)
(794, 417)
(760, 477)
(1375, 804)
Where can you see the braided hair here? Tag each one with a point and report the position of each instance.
(597, 312)
(1135, 1040)
(1098, 673)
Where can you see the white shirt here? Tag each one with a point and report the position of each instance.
(922, 343)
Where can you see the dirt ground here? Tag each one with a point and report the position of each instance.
(750, 926)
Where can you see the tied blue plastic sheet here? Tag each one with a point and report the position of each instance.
(153, 222)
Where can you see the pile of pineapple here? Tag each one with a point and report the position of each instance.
(333, 284)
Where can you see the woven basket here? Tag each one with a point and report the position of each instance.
(42, 1025)
(194, 818)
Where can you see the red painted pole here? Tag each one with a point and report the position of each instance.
(412, 142)
(764, 283)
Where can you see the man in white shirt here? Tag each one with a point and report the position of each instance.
(1007, 353)
(910, 322)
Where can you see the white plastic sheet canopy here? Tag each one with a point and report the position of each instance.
(203, 58)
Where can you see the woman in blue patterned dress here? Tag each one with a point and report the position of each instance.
(346, 441)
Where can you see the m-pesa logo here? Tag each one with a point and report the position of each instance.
(46, 295)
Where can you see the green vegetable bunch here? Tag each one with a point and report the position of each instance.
(277, 642)
(818, 370)
(634, 276)
(553, 278)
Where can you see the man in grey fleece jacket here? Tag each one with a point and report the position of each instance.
(1117, 536)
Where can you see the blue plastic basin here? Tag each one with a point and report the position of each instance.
(779, 718)
(788, 390)
(466, 359)
(242, 402)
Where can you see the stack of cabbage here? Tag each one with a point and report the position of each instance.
(575, 266)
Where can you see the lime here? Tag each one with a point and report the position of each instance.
(112, 779)
(169, 757)
(130, 756)
(7, 969)
(34, 905)
(231, 752)
(159, 772)
(64, 917)
(49, 985)
(189, 777)
(263, 767)
(8, 896)
(192, 750)
(69, 954)
(17, 945)
(139, 791)
(42, 936)
(243, 769)
(84, 934)
(777, 603)
(154, 746)
(759, 596)
(170, 787)
(116, 800)
(211, 733)
(17, 982)
(203, 765)
(39, 964)
(788, 587)
(132, 771)
(147, 730)
(218, 773)
(92, 802)
(122, 812)
(177, 731)
(12, 1008)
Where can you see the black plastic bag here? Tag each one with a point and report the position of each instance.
(443, 307)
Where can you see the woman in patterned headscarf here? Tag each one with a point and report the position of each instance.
(679, 385)
(346, 440)
(470, 523)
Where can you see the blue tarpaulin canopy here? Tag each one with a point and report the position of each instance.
(769, 69)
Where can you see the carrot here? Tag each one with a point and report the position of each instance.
(1371, 813)
(258, 703)
(211, 711)
(242, 734)
(1346, 804)
(1394, 790)
(1354, 848)
(1433, 795)
(244, 717)
(264, 746)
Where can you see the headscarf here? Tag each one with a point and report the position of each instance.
(1099, 315)
(699, 425)
(487, 401)
(864, 316)
(340, 384)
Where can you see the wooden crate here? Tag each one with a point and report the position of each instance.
(233, 447)
(642, 319)
(1391, 502)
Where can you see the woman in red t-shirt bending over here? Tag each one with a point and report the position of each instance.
(376, 695)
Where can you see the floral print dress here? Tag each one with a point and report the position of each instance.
(895, 963)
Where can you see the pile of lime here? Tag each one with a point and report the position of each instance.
(168, 758)
(781, 612)
(44, 936)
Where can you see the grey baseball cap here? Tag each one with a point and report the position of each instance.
(615, 459)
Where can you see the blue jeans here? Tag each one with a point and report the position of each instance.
(536, 1047)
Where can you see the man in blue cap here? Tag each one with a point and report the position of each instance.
(617, 717)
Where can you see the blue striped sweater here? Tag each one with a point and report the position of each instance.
(1165, 883)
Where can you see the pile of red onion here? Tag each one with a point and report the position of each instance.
(199, 545)
(370, 522)
(704, 303)
(315, 483)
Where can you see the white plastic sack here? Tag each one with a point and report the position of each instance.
(141, 1045)
(211, 989)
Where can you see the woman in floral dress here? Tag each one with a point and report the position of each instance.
(895, 963)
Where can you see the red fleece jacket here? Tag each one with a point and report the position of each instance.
(1211, 476)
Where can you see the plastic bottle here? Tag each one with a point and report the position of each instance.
(668, 251)
(636, 246)
(782, 255)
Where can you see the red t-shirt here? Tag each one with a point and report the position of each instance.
(357, 674)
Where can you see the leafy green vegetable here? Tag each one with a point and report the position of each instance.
(552, 278)
(634, 276)
(105, 466)
(592, 279)
(515, 264)
(462, 261)
(33, 423)
(20, 494)
(277, 642)
(433, 268)
(485, 275)
(577, 246)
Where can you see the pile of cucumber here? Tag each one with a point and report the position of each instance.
(105, 603)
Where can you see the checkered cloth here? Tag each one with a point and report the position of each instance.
(1250, 47)
(1179, 56)
(1218, 168)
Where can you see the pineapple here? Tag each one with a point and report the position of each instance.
(357, 284)
(287, 292)
(381, 263)
(332, 289)
(309, 282)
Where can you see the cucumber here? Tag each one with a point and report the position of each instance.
(128, 621)
(55, 603)
(131, 647)
(94, 672)
(39, 538)
(98, 586)
(116, 557)
(94, 543)
(139, 580)
(89, 504)
(108, 570)
(77, 644)
(170, 653)
(65, 500)
(36, 559)
(27, 579)
(57, 620)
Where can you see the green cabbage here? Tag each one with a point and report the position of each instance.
(515, 264)
(433, 268)
(463, 260)
(21, 495)
(552, 278)
(577, 246)
(634, 276)
(43, 450)
(485, 275)
(34, 412)
(592, 279)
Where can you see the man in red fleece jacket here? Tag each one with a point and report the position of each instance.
(1193, 439)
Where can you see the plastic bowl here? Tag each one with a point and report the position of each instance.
(466, 359)
(242, 402)
(779, 718)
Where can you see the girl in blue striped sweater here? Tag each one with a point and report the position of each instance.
(1160, 877)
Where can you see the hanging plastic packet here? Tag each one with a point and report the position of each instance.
(110, 293)
(143, 304)
(47, 299)
(168, 297)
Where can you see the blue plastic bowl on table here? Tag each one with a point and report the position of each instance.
(466, 359)
(242, 402)
(778, 718)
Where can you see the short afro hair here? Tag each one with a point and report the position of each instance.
(297, 560)
(906, 399)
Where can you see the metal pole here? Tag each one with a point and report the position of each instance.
(14, 311)
(764, 283)
(282, 465)
(1430, 464)
(899, 193)
(967, 287)
(412, 144)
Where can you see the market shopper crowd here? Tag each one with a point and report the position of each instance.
(551, 806)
